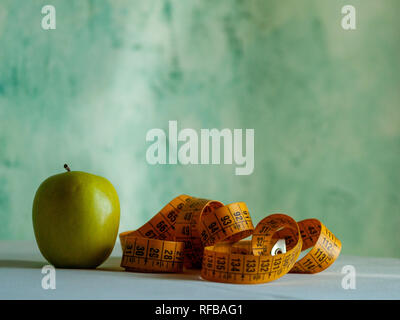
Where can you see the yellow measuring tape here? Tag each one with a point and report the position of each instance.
(199, 233)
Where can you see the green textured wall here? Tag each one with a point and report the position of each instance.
(324, 104)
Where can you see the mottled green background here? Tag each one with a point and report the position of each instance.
(324, 103)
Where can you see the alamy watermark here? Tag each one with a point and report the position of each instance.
(349, 280)
(348, 21)
(49, 20)
(196, 150)
(49, 280)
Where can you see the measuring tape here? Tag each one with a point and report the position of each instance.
(199, 233)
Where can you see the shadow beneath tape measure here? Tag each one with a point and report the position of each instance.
(191, 275)
(113, 264)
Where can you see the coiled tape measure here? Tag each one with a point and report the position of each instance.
(199, 233)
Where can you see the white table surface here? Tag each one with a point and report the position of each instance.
(21, 277)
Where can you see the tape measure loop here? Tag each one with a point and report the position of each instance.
(200, 233)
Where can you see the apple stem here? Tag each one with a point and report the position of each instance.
(67, 168)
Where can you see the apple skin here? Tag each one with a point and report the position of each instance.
(76, 219)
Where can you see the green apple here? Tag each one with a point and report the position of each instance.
(76, 219)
